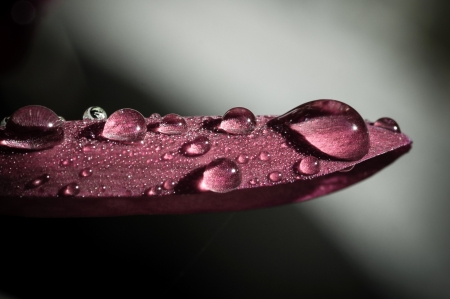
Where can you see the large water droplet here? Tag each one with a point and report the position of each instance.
(388, 123)
(197, 147)
(95, 113)
(221, 175)
(125, 125)
(309, 165)
(70, 190)
(39, 181)
(238, 120)
(172, 124)
(325, 127)
(33, 127)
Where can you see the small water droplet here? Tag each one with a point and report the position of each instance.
(254, 181)
(309, 165)
(197, 147)
(264, 156)
(156, 190)
(70, 190)
(89, 148)
(169, 184)
(66, 162)
(239, 121)
(326, 127)
(39, 181)
(34, 128)
(155, 115)
(347, 169)
(125, 125)
(62, 118)
(221, 175)
(167, 156)
(4, 121)
(275, 176)
(388, 123)
(242, 159)
(95, 113)
(172, 124)
(86, 172)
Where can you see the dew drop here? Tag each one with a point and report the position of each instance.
(239, 121)
(275, 176)
(197, 147)
(167, 156)
(95, 113)
(39, 181)
(34, 128)
(86, 172)
(327, 127)
(66, 162)
(156, 190)
(155, 115)
(88, 148)
(221, 175)
(347, 169)
(70, 190)
(172, 124)
(169, 184)
(388, 123)
(125, 125)
(309, 165)
(242, 159)
(264, 156)
(62, 118)
(254, 181)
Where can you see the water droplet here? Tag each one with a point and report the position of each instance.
(169, 184)
(326, 127)
(242, 159)
(62, 118)
(197, 147)
(33, 127)
(388, 123)
(95, 113)
(153, 191)
(88, 148)
(70, 190)
(4, 121)
(125, 125)
(347, 169)
(264, 156)
(86, 172)
(238, 120)
(309, 165)
(39, 181)
(155, 115)
(254, 181)
(172, 124)
(167, 156)
(66, 162)
(221, 175)
(275, 176)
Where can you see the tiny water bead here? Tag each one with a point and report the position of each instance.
(86, 172)
(239, 121)
(126, 125)
(69, 190)
(254, 182)
(221, 175)
(330, 127)
(275, 176)
(95, 113)
(197, 147)
(264, 156)
(242, 159)
(172, 124)
(309, 166)
(34, 128)
(388, 124)
(39, 181)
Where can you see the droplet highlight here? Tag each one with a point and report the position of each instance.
(197, 147)
(70, 190)
(221, 175)
(309, 166)
(95, 113)
(326, 127)
(239, 121)
(126, 125)
(388, 124)
(172, 124)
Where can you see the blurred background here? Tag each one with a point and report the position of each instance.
(386, 237)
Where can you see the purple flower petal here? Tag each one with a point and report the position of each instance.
(89, 175)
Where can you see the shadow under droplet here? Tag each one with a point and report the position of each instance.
(190, 183)
(93, 131)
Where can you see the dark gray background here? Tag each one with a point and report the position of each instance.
(386, 237)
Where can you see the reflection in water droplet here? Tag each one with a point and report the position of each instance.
(197, 147)
(347, 169)
(4, 121)
(70, 190)
(264, 156)
(95, 113)
(169, 184)
(327, 126)
(238, 120)
(388, 123)
(153, 191)
(221, 175)
(242, 159)
(39, 181)
(125, 125)
(309, 165)
(172, 124)
(275, 176)
(86, 172)
(34, 128)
